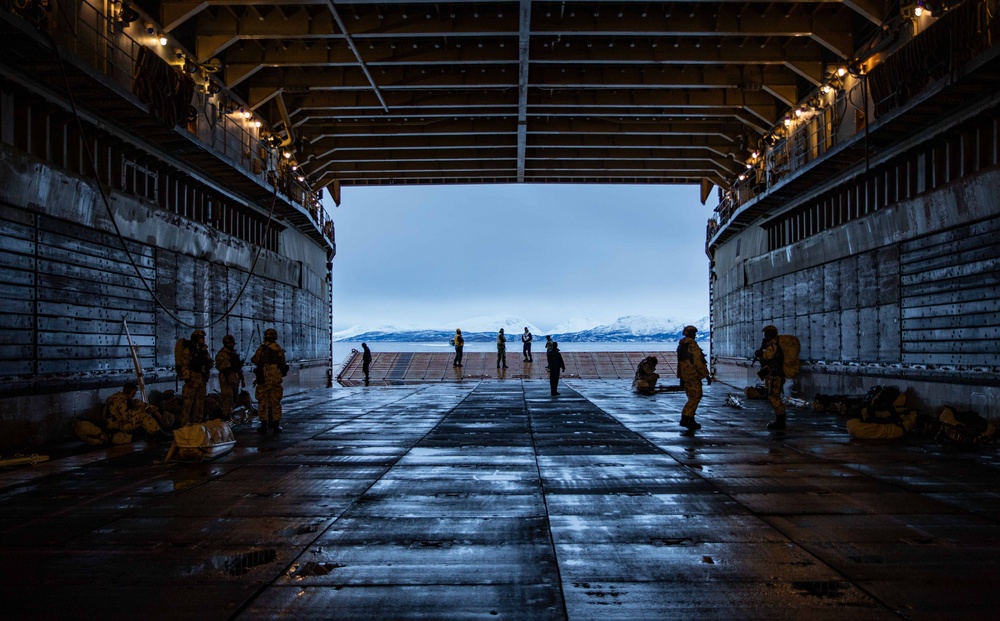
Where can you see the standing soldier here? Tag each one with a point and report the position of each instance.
(195, 365)
(691, 368)
(231, 379)
(501, 349)
(772, 363)
(270, 371)
(556, 364)
(459, 346)
(526, 347)
(366, 361)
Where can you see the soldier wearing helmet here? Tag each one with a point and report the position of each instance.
(646, 376)
(691, 369)
(772, 371)
(270, 371)
(194, 368)
(231, 379)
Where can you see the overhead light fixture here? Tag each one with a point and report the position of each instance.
(302, 178)
(841, 71)
(163, 40)
(257, 123)
(150, 29)
(788, 121)
(288, 155)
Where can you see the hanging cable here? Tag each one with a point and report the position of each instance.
(107, 203)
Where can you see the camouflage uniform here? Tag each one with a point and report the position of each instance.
(773, 360)
(230, 367)
(125, 414)
(270, 373)
(646, 376)
(501, 349)
(195, 366)
(691, 369)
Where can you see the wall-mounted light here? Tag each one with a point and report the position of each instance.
(788, 121)
(841, 71)
(163, 40)
(287, 155)
(301, 178)
(257, 123)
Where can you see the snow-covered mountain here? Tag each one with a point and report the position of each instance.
(631, 328)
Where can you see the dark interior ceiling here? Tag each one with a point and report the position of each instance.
(482, 92)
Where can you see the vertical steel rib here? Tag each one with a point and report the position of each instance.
(357, 54)
(522, 87)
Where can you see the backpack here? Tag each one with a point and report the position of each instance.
(180, 347)
(965, 427)
(790, 348)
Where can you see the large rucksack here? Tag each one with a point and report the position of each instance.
(199, 441)
(790, 348)
(965, 427)
(180, 349)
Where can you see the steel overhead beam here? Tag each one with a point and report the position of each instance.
(523, 48)
(361, 62)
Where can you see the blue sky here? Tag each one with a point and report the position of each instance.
(430, 256)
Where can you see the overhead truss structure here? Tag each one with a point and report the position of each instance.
(483, 92)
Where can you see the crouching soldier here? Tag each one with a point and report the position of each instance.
(270, 371)
(231, 379)
(646, 376)
(772, 371)
(691, 369)
(123, 413)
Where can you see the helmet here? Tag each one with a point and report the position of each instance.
(197, 334)
(690, 331)
(270, 334)
(770, 331)
(654, 360)
(228, 340)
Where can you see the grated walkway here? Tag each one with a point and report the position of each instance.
(493, 500)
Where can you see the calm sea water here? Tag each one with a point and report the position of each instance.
(341, 349)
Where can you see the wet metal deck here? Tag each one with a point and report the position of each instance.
(393, 368)
(492, 500)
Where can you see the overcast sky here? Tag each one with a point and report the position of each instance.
(431, 256)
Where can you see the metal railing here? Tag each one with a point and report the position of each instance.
(90, 30)
(968, 29)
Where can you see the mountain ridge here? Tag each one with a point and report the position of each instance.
(625, 329)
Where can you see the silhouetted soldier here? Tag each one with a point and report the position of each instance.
(556, 365)
(501, 349)
(459, 345)
(366, 361)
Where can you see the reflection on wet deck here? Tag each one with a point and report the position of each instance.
(493, 500)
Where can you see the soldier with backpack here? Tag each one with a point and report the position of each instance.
(193, 366)
(779, 358)
(270, 371)
(231, 379)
